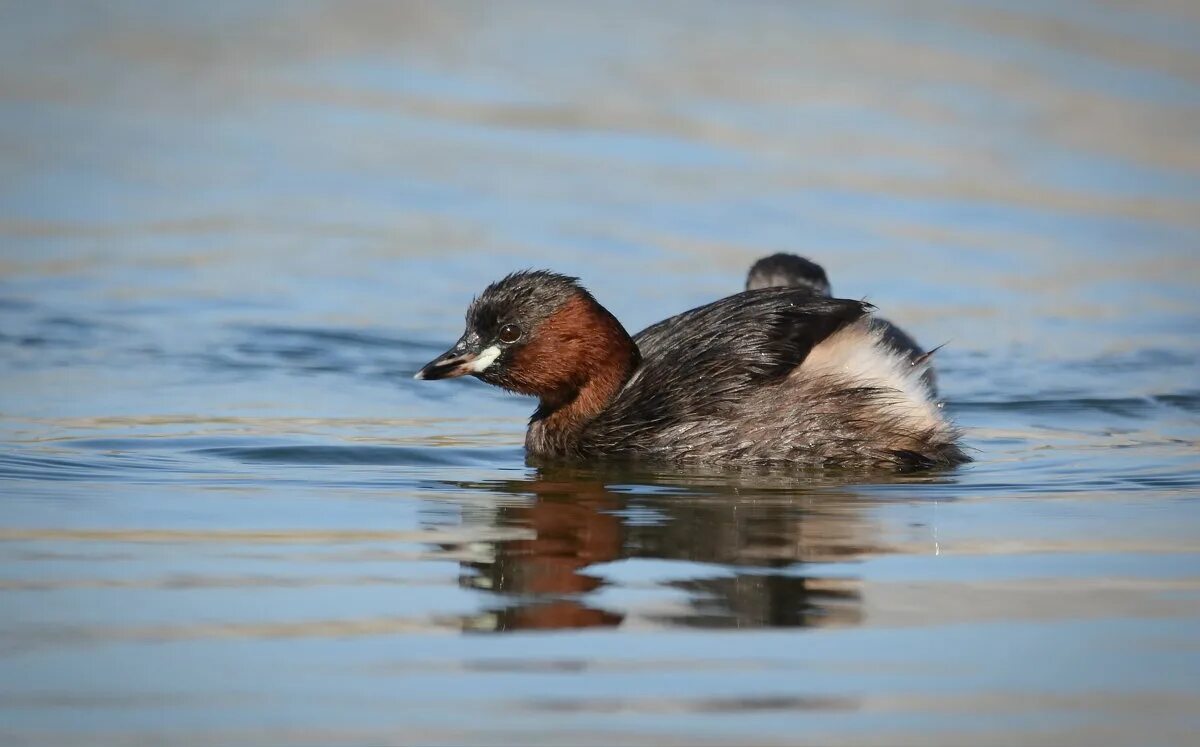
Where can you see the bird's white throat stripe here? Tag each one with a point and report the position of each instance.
(486, 358)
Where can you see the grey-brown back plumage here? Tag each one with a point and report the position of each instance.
(785, 270)
(726, 382)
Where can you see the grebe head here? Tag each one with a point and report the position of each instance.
(788, 270)
(538, 333)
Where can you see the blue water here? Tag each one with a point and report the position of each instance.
(230, 233)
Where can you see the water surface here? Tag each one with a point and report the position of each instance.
(230, 233)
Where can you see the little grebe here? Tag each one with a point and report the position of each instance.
(771, 375)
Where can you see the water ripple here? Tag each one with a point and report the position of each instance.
(365, 455)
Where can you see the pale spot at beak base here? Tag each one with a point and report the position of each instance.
(486, 358)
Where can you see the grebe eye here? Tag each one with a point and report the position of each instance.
(510, 333)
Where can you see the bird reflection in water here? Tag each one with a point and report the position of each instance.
(757, 531)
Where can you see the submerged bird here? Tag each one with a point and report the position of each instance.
(793, 271)
(778, 375)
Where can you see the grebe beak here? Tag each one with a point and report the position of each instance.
(445, 366)
(462, 359)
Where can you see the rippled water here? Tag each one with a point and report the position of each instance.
(230, 232)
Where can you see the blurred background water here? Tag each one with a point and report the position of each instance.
(230, 232)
